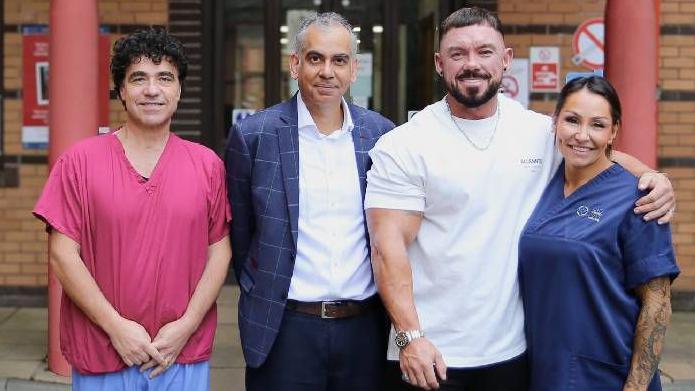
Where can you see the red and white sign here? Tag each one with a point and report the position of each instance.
(515, 81)
(35, 74)
(588, 43)
(545, 69)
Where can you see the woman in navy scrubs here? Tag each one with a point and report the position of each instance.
(594, 276)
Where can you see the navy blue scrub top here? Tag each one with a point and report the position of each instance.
(580, 258)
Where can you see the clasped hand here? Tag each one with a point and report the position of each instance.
(133, 344)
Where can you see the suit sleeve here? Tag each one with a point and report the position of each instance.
(238, 165)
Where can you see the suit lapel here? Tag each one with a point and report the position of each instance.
(359, 140)
(288, 144)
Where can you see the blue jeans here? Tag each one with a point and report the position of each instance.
(189, 377)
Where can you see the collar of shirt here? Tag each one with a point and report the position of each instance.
(305, 122)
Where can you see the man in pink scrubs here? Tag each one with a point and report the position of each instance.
(138, 223)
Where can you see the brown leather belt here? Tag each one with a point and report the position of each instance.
(334, 309)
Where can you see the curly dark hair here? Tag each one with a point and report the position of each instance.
(154, 43)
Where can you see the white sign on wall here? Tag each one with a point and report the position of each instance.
(515, 81)
(545, 69)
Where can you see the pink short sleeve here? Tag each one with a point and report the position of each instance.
(60, 203)
(220, 213)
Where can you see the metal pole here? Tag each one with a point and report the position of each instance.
(632, 35)
(73, 115)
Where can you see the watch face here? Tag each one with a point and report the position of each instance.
(401, 339)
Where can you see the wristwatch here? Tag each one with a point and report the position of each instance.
(404, 337)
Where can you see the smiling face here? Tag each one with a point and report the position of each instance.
(585, 128)
(472, 60)
(325, 68)
(150, 92)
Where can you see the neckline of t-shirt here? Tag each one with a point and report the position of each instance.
(148, 182)
(477, 128)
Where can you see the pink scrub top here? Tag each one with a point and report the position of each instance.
(145, 242)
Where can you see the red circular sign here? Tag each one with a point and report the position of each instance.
(588, 43)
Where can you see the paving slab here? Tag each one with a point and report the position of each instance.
(42, 374)
(18, 369)
(26, 385)
(227, 357)
(226, 379)
(5, 313)
(227, 335)
(229, 295)
(22, 351)
(681, 386)
(27, 319)
(227, 314)
(28, 337)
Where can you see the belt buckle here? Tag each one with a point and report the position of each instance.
(323, 309)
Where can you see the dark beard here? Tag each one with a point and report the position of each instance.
(473, 100)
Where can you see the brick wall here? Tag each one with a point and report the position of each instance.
(677, 125)
(552, 23)
(529, 23)
(22, 237)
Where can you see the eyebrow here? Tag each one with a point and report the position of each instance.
(579, 115)
(314, 52)
(143, 74)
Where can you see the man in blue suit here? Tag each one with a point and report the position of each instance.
(309, 314)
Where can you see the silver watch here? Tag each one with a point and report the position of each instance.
(403, 338)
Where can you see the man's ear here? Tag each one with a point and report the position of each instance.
(507, 58)
(294, 66)
(438, 63)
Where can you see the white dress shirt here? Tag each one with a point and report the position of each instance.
(332, 259)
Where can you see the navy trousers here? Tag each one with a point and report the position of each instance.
(510, 375)
(315, 354)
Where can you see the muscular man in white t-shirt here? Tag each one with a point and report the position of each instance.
(448, 195)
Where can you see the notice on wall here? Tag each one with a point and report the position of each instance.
(35, 83)
(545, 69)
(35, 89)
(515, 81)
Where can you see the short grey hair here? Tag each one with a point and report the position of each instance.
(325, 20)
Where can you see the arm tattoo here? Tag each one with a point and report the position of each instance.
(654, 318)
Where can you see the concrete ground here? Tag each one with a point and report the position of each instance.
(23, 350)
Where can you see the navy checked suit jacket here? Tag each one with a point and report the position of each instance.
(262, 160)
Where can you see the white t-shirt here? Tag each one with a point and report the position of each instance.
(475, 204)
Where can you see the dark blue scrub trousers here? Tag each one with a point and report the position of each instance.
(315, 354)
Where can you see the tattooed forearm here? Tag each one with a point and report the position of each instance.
(654, 318)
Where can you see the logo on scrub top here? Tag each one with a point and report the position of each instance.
(593, 214)
(531, 163)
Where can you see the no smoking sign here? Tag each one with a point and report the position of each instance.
(588, 43)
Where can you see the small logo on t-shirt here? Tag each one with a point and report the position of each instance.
(531, 163)
(593, 214)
